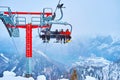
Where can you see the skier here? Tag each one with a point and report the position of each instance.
(67, 35)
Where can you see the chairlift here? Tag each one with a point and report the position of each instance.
(61, 36)
(46, 22)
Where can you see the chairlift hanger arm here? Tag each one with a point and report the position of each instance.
(59, 6)
(61, 11)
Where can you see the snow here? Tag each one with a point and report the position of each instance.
(7, 75)
(15, 78)
(93, 61)
(63, 79)
(90, 78)
(98, 61)
(41, 77)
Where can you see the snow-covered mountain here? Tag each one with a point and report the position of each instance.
(3, 63)
(104, 46)
(41, 64)
(97, 67)
(92, 61)
(99, 59)
(114, 71)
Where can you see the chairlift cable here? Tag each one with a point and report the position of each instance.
(13, 41)
(45, 48)
(57, 6)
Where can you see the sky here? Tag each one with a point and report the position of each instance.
(88, 17)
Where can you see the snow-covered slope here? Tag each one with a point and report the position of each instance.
(41, 77)
(96, 67)
(41, 64)
(100, 67)
(90, 78)
(104, 46)
(63, 79)
(92, 61)
(114, 71)
(12, 76)
(7, 75)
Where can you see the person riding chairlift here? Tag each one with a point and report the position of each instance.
(67, 35)
(57, 35)
(46, 36)
(62, 36)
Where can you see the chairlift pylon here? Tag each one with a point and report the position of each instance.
(46, 21)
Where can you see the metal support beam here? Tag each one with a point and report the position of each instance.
(29, 13)
(28, 40)
(28, 50)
